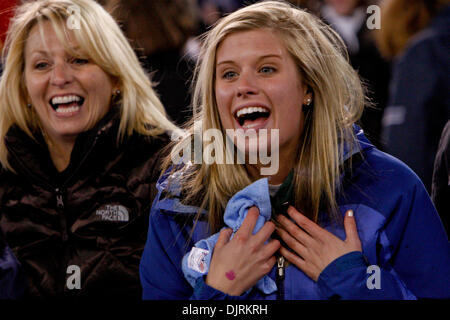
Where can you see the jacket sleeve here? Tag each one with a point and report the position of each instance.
(413, 258)
(161, 272)
(12, 280)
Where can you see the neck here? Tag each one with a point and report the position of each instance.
(286, 163)
(60, 151)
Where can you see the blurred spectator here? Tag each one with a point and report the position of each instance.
(159, 30)
(348, 18)
(224, 6)
(416, 34)
(440, 191)
(213, 10)
(210, 12)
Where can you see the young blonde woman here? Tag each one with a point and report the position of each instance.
(80, 134)
(346, 220)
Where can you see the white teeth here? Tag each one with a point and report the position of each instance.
(251, 110)
(249, 126)
(67, 109)
(65, 99)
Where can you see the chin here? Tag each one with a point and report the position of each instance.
(68, 133)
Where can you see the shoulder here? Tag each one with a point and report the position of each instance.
(148, 143)
(387, 167)
(170, 217)
(392, 172)
(384, 183)
(171, 194)
(145, 148)
(377, 168)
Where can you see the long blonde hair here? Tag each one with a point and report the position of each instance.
(100, 37)
(338, 102)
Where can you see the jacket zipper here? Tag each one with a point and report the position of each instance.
(60, 205)
(280, 277)
(58, 190)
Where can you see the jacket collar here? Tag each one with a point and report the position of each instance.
(362, 144)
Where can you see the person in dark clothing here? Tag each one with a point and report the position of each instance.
(349, 19)
(440, 189)
(81, 131)
(159, 31)
(419, 102)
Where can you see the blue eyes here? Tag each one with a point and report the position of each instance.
(266, 70)
(229, 75)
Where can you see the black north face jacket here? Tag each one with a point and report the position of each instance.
(80, 232)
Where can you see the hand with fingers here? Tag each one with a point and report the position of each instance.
(313, 247)
(239, 263)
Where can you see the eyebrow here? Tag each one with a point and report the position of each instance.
(45, 52)
(260, 58)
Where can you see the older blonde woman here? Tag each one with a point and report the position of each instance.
(81, 130)
(352, 228)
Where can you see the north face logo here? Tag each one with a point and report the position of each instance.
(113, 213)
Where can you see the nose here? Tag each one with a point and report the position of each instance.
(60, 75)
(247, 85)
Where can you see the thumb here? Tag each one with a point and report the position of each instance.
(351, 231)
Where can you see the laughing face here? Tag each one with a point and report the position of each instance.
(258, 86)
(69, 94)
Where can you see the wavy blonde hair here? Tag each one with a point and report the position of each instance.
(100, 37)
(338, 102)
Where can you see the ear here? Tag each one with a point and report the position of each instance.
(115, 84)
(28, 100)
(307, 95)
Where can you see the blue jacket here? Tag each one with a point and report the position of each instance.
(405, 248)
(196, 263)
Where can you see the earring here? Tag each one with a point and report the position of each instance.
(307, 105)
(117, 92)
(29, 106)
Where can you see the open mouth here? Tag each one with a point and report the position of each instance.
(66, 104)
(250, 117)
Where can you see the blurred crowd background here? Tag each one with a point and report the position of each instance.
(405, 65)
